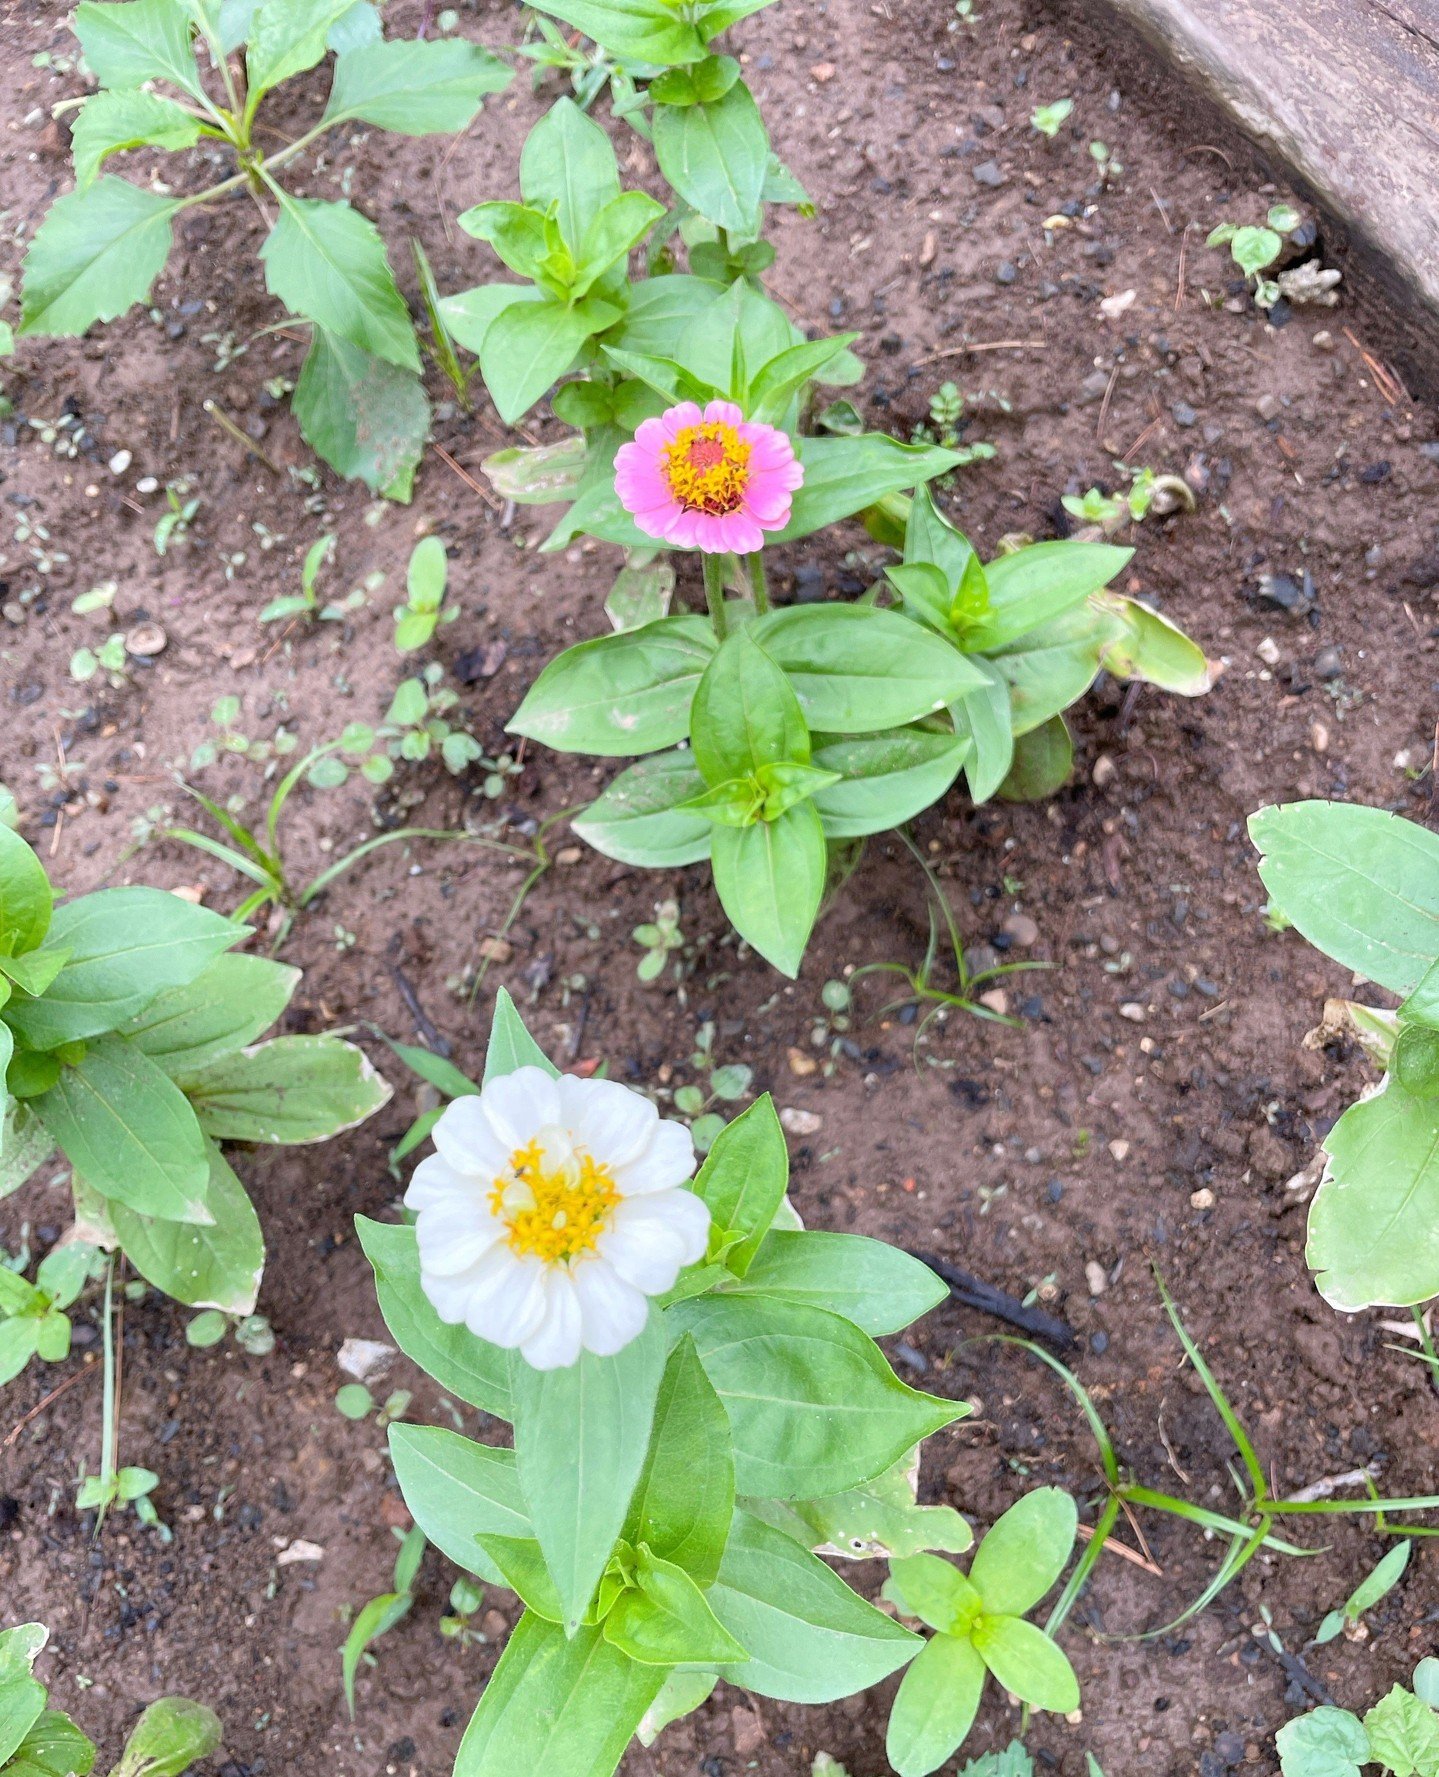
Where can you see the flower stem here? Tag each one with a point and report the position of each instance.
(107, 1410)
(714, 593)
(758, 581)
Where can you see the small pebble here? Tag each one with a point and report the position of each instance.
(799, 1122)
(121, 461)
(1095, 1278)
(1268, 651)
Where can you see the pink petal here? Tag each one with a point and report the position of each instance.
(675, 419)
(683, 530)
(724, 413)
(742, 533)
(650, 436)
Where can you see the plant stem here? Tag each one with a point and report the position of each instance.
(758, 581)
(714, 594)
(107, 1408)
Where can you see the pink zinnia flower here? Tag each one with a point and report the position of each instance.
(709, 480)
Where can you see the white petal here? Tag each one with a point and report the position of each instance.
(448, 1296)
(517, 1105)
(436, 1181)
(613, 1311)
(613, 1121)
(453, 1236)
(557, 1343)
(668, 1161)
(507, 1299)
(652, 1237)
(465, 1137)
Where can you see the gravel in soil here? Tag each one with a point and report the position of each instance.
(1155, 1105)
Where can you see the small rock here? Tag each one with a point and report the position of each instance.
(299, 1550)
(496, 950)
(823, 72)
(147, 484)
(746, 1731)
(1319, 737)
(1268, 651)
(1268, 407)
(1133, 1011)
(1201, 1199)
(494, 1626)
(1104, 772)
(568, 854)
(1020, 929)
(1114, 306)
(801, 1064)
(1119, 1149)
(121, 461)
(1324, 341)
(997, 1001)
(1007, 272)
(1184, 414)
(1282, 592)
(363, 1358)
(1095, 1279)
(799, 1122)
(988, 172)
(145, 641)
(1329, 662)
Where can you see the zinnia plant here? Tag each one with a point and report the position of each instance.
(698, 1406)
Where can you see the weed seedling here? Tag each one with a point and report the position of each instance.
(306, 603)
(660, 938)
(424, 608)
(723, 1085)
(108, 661)
(379, 1615)
(1048, 120)
(174, 525)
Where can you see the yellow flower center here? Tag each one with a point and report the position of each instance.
(707, 468)
(556, 1199)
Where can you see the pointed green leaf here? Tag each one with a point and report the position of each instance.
(128, 43)
(842, 476)
(415, 88)
(983, 716)
(511, 1046)
(638, 818)
(886, 779)
(665, 1620)
(54, 1747)
(878, 1519)
(112, 121)
(129, 1131)
(463, 1365)
(744, 714)
(26, 902)
(637, 30)
(716, 157)
(531, 345)
(1042, 763)
(213, 1266)
(169, 1737)
(458, 1491)
(743, 1180)
(1035, 585)
(580, 1439)
(684, 1501)
(22, 1697)
(96, 254)
(1025, 1661)
(878, 1287)
(567, 159)
(286, 37)
(770, 879)
(289, 1091)
(234, 1001)
(327, 262)
(367, 418)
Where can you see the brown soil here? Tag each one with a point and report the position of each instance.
(1156, 1102)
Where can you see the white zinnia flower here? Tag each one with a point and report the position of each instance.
(552, 1211)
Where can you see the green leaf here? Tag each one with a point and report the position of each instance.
(1380, 1582)
(1324, 1743)
(367, 418)
(880, 1519)
(525, 238)
(286, 37)
(1374, 1221)
(937, 1702)
(34, 973)
(290, 1090)
(112, 121)
(621, 694)
(567, 159)
(169, 1737)
(810, 1639)
(127, 946)
(326, 261)
(511, 1046)
(415, 88)
(1404, 1734)
(773, 390)
(1360, 884)
(530, 346)
(374, 1618)
(580, 1440)
(770, 879)
(129, 1131)
(935, 1591)
(564, 1706)
(856, 669)
(1024, 1553)
(1025, 1661)
(214, 1266)
(716, 156)
(22, 1697)
(1035, 585)
(680, 1694)
(983, 717)
(234, 1001)
(637, 30)
(666, 1621)
(878, 1287)
(744, 714)
(1151, 648)
(19, 1341)
(930, 537)
(463, 1365)
(814, 1408)
(684, 1500)
(54, 1747)
(458, 1491)
(638, 819)
(536, 475)
(97, 253)
(612, 233)
(1042, 763)
(24, 1141)
(842, 476)
(743, 1180)
(886, 778)
(1254, 248)
(663, 310)
(26, 903)
(127, 44)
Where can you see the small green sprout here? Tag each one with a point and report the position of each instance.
(424, 609)
(1050, 119)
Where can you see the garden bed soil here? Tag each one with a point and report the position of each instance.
(1152, 1108)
